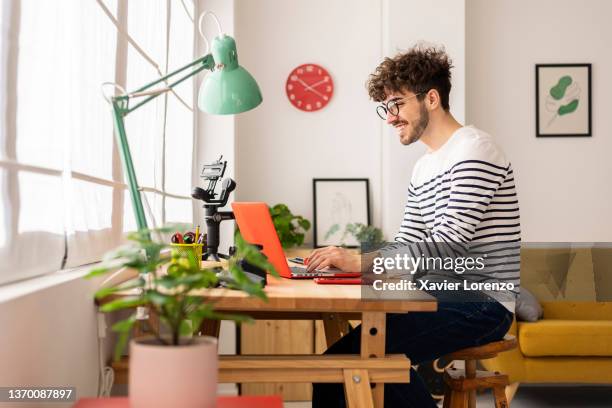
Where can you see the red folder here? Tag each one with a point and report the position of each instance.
(222, 402)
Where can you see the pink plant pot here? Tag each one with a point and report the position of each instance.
(173, 376)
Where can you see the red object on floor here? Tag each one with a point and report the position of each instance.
(273, 401)
(222, 402)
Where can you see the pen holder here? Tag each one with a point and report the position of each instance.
(187, 249)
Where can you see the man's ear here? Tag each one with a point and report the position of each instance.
(432, 99)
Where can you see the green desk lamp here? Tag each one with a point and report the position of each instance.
(229, 89)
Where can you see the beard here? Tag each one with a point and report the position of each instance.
(418, 128)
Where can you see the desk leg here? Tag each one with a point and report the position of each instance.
(373, 332)
(335, 327)
(210, 328)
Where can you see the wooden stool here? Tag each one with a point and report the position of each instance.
(461, 385)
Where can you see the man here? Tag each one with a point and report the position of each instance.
(461, 197)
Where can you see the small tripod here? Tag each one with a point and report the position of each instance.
(213, 173)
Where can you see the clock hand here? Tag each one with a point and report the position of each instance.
(317, 83)
(302, 82)
(309, 88)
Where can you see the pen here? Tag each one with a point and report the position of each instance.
(197, 234)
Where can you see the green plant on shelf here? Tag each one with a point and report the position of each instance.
(367, 235)
(166, 283)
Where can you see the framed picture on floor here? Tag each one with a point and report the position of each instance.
(336, 203)
(563, 100)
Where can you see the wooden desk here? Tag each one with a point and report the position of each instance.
(304, 295)
(290, 299)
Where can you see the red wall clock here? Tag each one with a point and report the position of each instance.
(309, 87)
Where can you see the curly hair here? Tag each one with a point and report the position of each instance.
(417, 70)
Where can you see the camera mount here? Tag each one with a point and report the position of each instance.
(213, 173)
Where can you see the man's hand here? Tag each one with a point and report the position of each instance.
(341, 258)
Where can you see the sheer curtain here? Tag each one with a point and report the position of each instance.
(180, 120)
(64, 202)
(4, 202)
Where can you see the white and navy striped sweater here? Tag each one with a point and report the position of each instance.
(464, 193)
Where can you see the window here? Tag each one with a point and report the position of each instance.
(64, 202)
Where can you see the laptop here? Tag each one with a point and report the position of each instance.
(256, 227)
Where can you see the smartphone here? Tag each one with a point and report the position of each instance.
(297, 260)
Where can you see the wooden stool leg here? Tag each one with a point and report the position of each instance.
(511, 391)
(447, 398)
(459, 399)
(470, 372)
(357, 389)
(500, 397)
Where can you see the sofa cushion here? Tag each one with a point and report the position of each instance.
(551, 337)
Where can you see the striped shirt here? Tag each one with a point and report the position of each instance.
(464, 194)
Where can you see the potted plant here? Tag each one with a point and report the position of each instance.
(171, 366)
(289, 227)
(368, 236)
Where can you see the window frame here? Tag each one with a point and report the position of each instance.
(13, 167)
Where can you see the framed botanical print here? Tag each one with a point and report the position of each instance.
(338, 203)
(563, 100)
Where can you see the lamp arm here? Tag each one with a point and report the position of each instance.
(128, 165)
(205, 62)
(121, 109)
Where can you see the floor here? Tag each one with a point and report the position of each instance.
(562, 397)
(540, 396)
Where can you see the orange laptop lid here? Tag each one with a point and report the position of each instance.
(256, 227)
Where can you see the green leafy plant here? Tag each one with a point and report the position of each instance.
(367, 235)
(166, 285)
(289, 227)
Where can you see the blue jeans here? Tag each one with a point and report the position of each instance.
(422, 337)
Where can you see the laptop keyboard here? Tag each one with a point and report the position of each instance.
(301, 271)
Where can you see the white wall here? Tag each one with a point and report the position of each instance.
(563, 184)
(406, 23)
(49, 336)
(280, 149)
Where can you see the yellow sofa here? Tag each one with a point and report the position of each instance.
(572, 343)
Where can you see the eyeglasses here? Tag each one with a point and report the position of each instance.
(392, 107)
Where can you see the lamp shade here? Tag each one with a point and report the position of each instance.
(229, 88)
